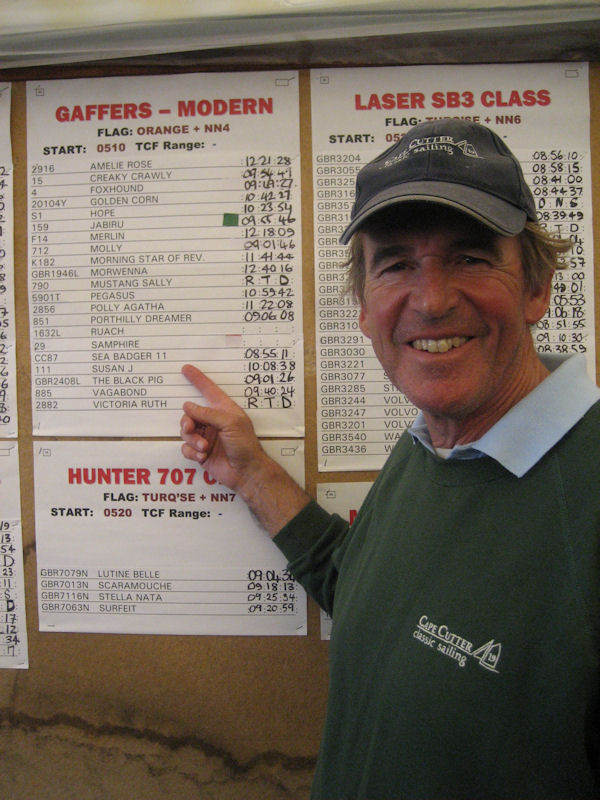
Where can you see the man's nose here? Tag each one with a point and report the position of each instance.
(434, 293)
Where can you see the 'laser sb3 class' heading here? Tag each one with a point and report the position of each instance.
(184, 108)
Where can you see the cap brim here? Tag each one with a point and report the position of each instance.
(502, 217)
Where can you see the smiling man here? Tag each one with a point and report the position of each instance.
(465, 656)
(445, 306)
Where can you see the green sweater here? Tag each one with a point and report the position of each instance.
(465, 647)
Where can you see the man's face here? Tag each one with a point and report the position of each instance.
(446, 309)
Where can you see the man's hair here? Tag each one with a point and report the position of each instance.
(542, 254)
(541, 251)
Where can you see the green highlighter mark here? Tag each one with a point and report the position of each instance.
(231, 220)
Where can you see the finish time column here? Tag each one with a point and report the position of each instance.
(270, 299)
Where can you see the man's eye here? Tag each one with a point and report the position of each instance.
(472, 259)
(397, 266)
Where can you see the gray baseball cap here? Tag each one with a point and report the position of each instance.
(450, 162)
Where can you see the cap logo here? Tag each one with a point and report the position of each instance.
(427, 144)
(467, 148)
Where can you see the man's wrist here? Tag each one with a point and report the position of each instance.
(272, 494)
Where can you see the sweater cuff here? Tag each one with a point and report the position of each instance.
(304, 530)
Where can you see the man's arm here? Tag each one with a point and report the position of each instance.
(221, 437)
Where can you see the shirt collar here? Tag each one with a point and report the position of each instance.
(534, 425)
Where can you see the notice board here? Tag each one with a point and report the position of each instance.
(105, 689)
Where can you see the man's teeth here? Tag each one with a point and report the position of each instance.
(439, 345)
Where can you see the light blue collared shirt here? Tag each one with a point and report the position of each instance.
(535, 424)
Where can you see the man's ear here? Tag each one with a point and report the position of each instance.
(363, 323)
(537, 302)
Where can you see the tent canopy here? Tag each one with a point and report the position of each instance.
(43, 32)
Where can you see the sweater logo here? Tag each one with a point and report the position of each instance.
(441, 639)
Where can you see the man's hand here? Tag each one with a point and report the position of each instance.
(221, 437)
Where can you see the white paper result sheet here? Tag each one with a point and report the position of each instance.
(133, 538)
(357, 114)
(13, 623)
(8, 368)
(164, 228)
